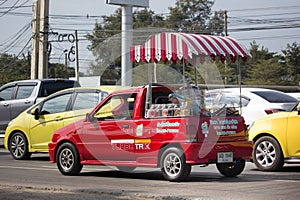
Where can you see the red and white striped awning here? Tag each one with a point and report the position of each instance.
(173, 46)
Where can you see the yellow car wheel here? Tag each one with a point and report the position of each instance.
(267, 154)
(18, 146)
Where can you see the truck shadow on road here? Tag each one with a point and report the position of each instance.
(248, 176)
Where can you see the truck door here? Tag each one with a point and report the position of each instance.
(108, 135)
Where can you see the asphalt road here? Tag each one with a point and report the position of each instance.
(37, 178)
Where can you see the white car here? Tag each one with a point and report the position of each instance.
(255, 102)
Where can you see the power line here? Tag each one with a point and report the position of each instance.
(13, 7)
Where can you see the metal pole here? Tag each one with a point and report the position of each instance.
(126, 74)
(35, 40)
(226, 34)
(240, 83)
(76, 57)
(225, 23)
(66, 59)
(154, 72)
(43, 46)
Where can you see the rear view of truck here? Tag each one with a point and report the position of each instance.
(188, 137)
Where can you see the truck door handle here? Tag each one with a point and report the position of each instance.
(27, 101)
(125, 126)
(5, 104)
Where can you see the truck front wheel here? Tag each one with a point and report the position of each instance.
(173, 165)
(231, 169)
(68, 161)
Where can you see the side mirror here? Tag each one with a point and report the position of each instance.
(89, 118)
(35, 112)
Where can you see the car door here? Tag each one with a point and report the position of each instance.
(23, 98)
(5, 103)
(108, 135)
(83, 102)
(50, 118)
(293, 134)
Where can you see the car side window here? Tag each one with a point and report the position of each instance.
(117, 107)
(6, 94)
(56, 104)
(86, 100)
(24, 91)
(234, 100)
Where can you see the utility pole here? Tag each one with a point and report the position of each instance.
(35, 40)
(225, 23)
(43, 46)
(226, 34)
(76, 57)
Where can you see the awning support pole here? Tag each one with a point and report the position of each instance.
(240, 82)
(149, 89)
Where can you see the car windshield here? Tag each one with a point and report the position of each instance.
(275, 97)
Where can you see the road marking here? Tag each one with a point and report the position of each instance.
(29, 168)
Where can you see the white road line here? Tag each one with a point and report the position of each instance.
(29, 168)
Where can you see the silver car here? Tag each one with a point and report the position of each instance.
(16, 96)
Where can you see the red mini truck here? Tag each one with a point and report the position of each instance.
(130, 129)
(160, 126)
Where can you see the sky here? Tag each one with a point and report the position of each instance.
(15, 29)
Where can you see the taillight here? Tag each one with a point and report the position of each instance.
(274, 110)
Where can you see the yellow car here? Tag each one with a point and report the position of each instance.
(276, 140)
(32, 130)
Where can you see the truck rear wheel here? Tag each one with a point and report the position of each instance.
(173, 165)
(231, 169)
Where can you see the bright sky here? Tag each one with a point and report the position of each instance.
(242, 14)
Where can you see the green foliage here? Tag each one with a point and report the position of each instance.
(56, 70)
(190, 15)
(12, 68)
(268, 68)
(265, 72)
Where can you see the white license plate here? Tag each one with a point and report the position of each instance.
(225, 157)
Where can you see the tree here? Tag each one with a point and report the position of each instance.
(12, 68)
(191, 16)
(292, 62)
(266, 72)
(262, 61)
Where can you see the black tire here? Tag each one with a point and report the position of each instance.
(173, 165)
(18, 146)
(231, 169)
(125, 168)
(267, 154)
(67, 159)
